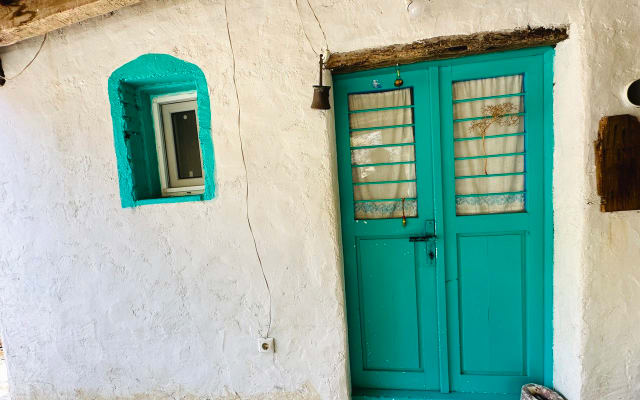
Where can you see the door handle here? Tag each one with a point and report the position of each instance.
(421, 238)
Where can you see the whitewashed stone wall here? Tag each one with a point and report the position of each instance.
(167, 301)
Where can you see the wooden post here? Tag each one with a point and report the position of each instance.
(22, 19)
(444, 47)
(618, 163)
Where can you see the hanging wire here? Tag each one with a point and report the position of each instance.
(246, 174)
(44, 39)
(326, 43)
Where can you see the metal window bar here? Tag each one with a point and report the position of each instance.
(375, 146)
(379, 164)
(383, 182)
(520, 114)
(499, 96)
(489, 194)
(490, 175)
(375, 128)
(382, 200)
(380, 109)
(489, 136)
(490, 156)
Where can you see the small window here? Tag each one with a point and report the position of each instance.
(161, 117)
(177, 144)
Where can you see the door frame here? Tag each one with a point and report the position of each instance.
(432, 68)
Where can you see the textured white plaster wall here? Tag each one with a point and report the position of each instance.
(612, 273)
(166, 301)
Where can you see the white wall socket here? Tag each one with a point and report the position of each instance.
(265, 345)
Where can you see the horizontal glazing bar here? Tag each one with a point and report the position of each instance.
(374, 128)
(382, 182)
(490, 156)
(487, 117)
(489, 194)
(500, 96)
(379, 200)
(383, 163)
(488, 137)
(489, 175)
(380, 109)
(375, 146)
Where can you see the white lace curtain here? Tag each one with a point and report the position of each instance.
(486, 183)
(379, 190)
(489, 149)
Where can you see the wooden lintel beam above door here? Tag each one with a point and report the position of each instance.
(444, 47)
(22, 19)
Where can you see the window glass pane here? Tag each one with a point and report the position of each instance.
(490, 204)
(492, 105)
(502, 145)
(396, 182)
(385, 191)
(475, 88)
(384, 172)
(386, 209)
(381, 118)
(496, 165)
(382, 136)
(496, 184)
(474, 129)
(185, 132)
(382, 155)
(390, 98)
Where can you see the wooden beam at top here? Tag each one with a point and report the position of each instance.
(444, 47)
(22, 19)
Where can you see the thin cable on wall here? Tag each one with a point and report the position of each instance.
(326, 43)
(244, 163)
(44, 39)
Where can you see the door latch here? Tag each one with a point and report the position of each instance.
(421, 238)
(424, 238)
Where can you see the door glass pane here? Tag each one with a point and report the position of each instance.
(382, 136)
(489, 145)
(385, 191)
(380, 173)
(185, 132)
(383, 154)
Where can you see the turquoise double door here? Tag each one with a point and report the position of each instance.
(446, 223)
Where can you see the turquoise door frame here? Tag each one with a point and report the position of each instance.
(370, 247)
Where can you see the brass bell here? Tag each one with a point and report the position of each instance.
(320, 93)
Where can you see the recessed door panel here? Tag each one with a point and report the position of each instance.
(389, 305)
(491, 296)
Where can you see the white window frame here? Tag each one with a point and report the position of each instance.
(162, 107)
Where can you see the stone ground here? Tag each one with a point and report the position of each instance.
(4, 385)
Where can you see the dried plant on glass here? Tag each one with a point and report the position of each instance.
(504, 114)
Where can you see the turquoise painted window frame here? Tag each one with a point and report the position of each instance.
(132, 88)
(547, 53)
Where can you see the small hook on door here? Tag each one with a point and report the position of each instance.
(398, 82)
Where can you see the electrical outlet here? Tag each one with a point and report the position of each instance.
(266, 345)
